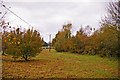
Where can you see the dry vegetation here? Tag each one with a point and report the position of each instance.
(60, 65)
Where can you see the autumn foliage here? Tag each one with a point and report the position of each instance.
(103, 42)
(25, 44)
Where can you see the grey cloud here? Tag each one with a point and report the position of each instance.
(48, 17)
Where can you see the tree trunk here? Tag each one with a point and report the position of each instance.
(3, 53)
(26, 58)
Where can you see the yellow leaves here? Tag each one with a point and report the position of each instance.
(14, 38)
(14, 41)
(18, 42)
(9, 43)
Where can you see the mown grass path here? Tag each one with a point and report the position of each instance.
(60, 65)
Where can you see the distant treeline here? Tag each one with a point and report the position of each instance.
(104, 41)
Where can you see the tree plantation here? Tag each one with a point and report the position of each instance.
(104, 41)
(22, 44)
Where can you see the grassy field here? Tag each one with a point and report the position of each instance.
(60, 65)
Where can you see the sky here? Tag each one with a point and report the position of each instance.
(48, 16)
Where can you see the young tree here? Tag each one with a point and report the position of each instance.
(4, 27)
(31, 44)
(77, 45)
(62, 38)
(25, 45)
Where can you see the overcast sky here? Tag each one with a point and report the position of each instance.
(48, 16)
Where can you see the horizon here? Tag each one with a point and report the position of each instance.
(48, 17)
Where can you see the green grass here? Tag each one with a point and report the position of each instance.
(61, 65)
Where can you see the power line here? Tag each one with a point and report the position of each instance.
(21, 18)
(3, 15)
(15, 14)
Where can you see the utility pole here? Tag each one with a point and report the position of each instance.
(68, 34)
(49, 42)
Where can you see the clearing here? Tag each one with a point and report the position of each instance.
(60, 65)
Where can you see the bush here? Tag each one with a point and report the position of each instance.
(85, 52)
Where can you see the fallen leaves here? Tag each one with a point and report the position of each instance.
(56, 67)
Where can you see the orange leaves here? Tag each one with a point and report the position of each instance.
(3, 22)
(82, 42)
(61, 41)
(14, 38)
(30, 43)
(15, 43)
(5, 40)
(4, 27)
(18, 42)
(9, 43)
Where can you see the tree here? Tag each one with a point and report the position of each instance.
(112, 22)
(4, 27)
(31, 44)
(24, 44)
(77, 41)
(109, 41)
(62, 38)
(113, 16)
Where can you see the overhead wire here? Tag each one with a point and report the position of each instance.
(18, 16)
(3, 15)
(15, 14)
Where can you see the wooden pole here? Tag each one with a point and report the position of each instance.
(49, 42)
